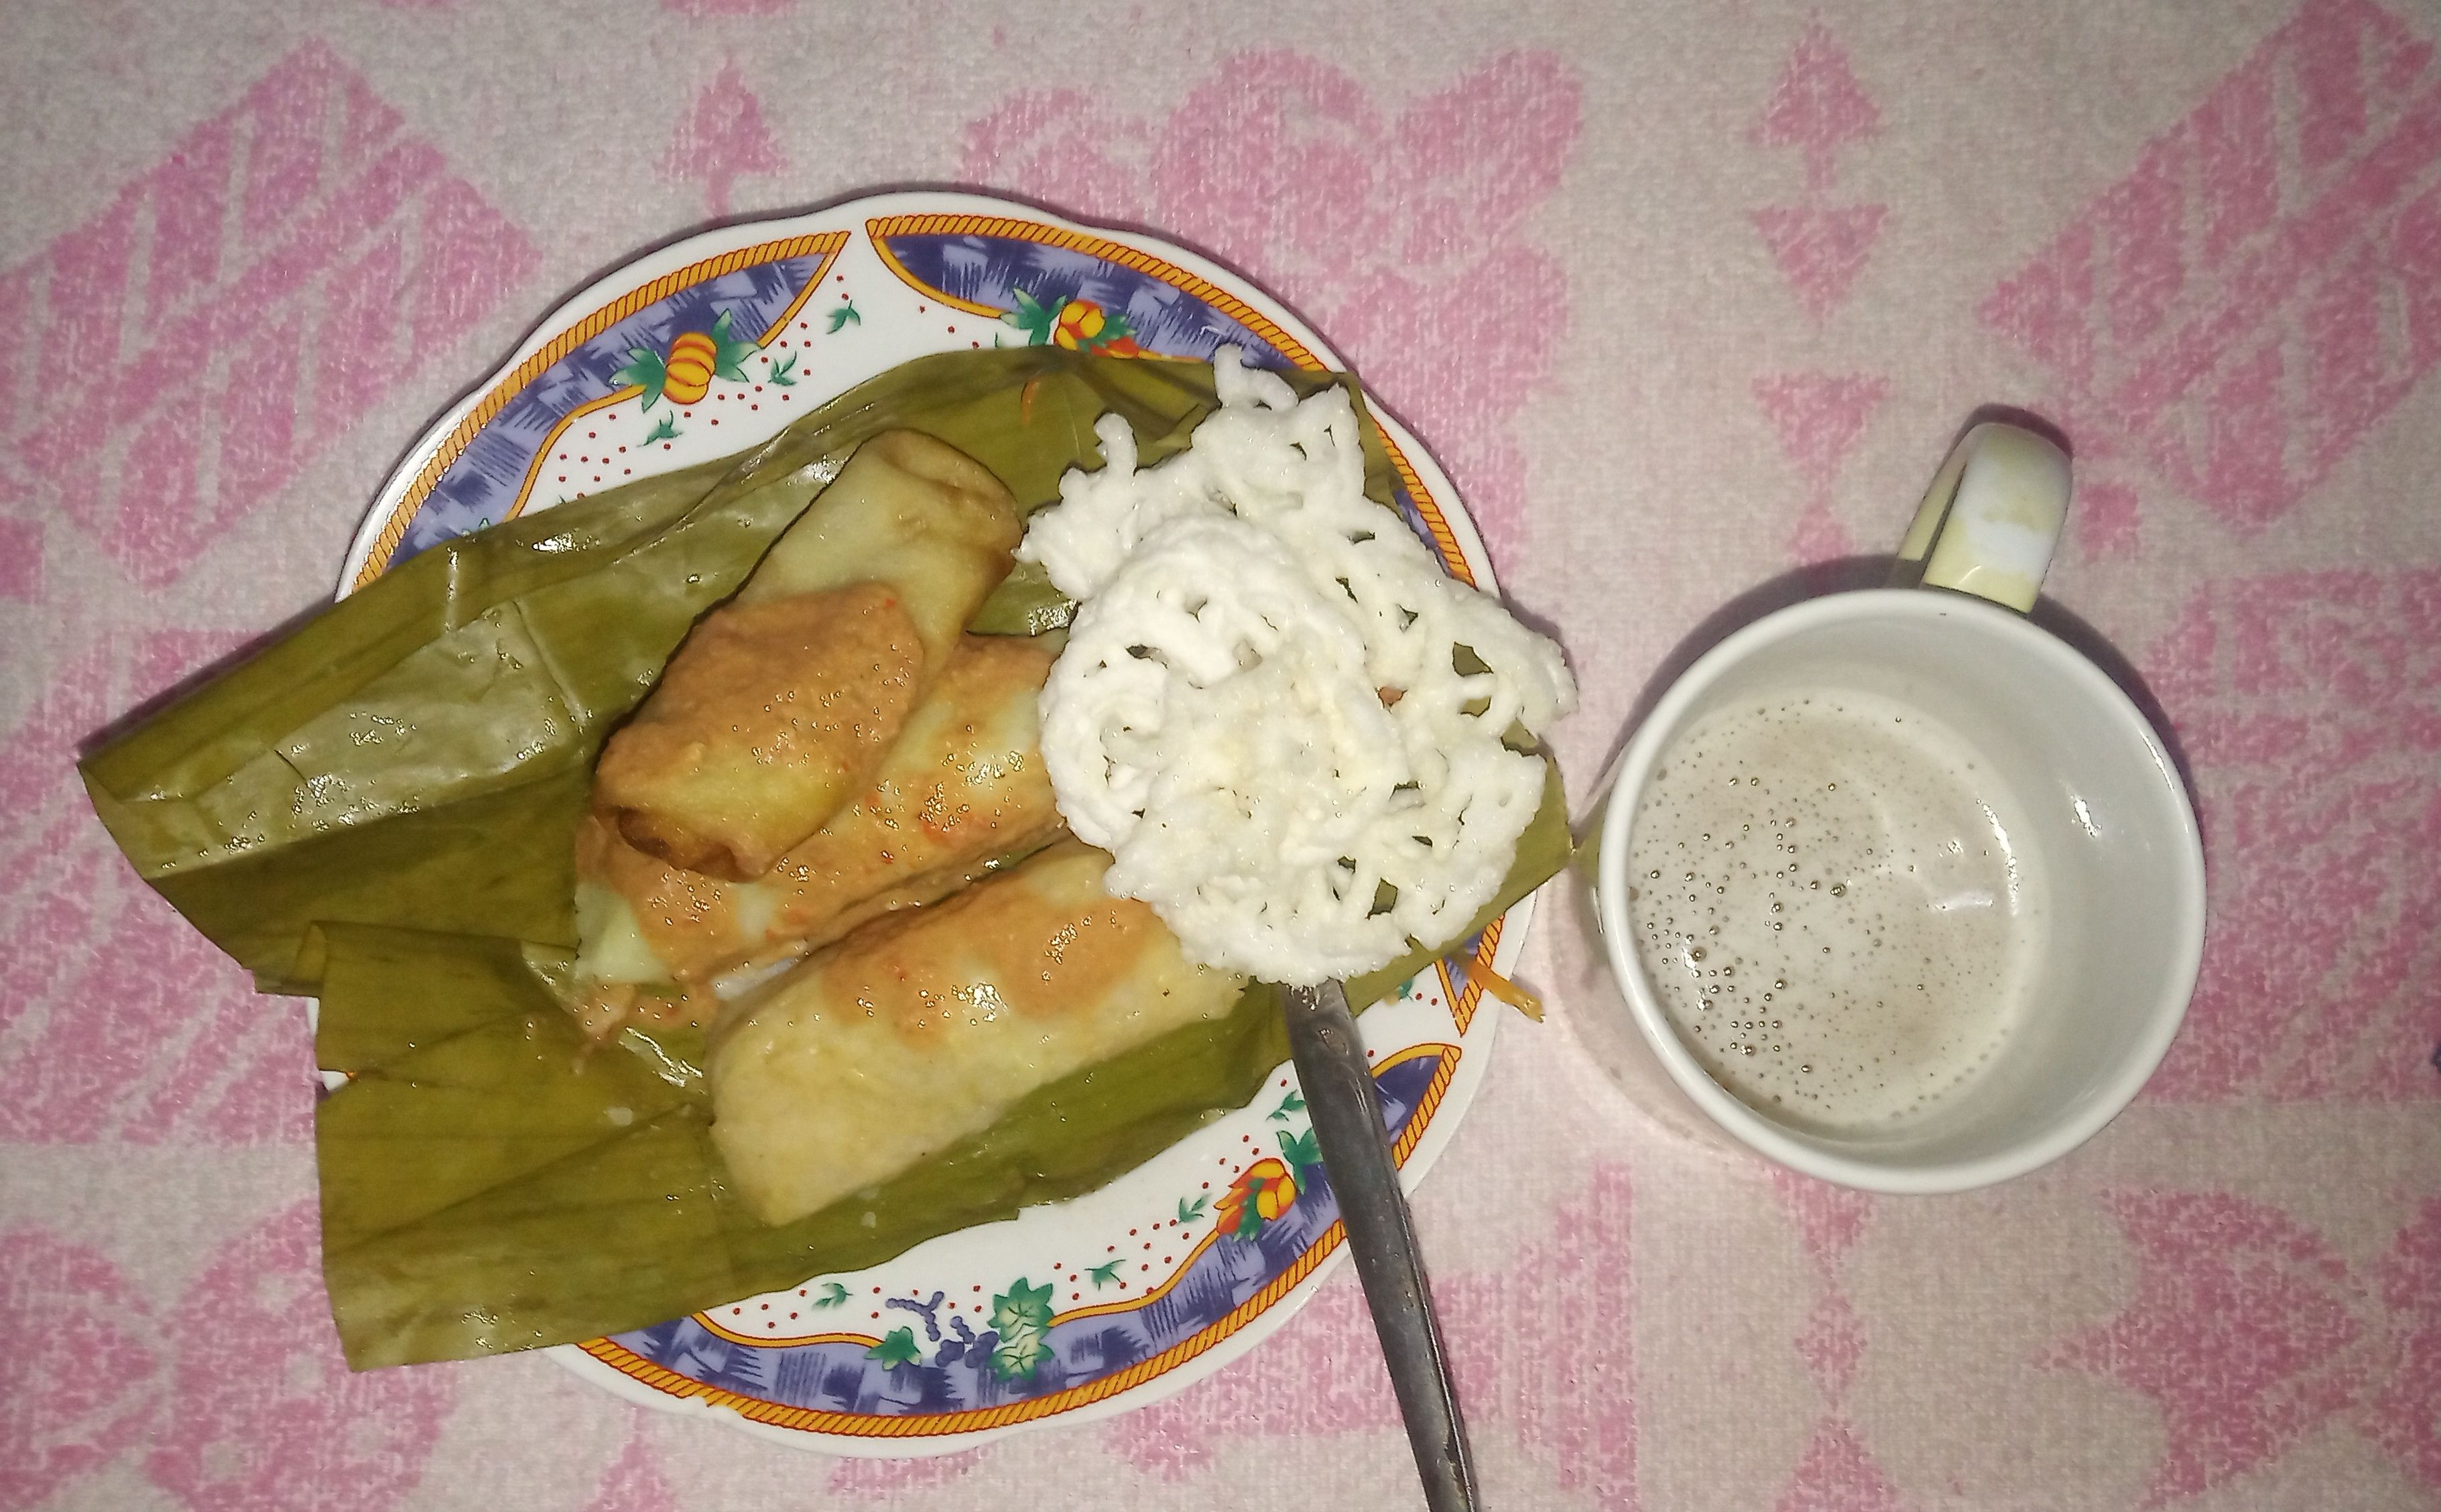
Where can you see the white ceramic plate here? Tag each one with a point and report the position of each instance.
(1072, 1310)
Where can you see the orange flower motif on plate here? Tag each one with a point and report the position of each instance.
(683, 374)
(1079, 325)
(1261, 1192)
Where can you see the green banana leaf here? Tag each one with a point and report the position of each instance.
(1542, 851)
(379, 809)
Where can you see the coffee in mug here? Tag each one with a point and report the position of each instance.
(1895, 887)
(1834, 904)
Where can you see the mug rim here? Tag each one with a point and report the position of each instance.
(2184, 929)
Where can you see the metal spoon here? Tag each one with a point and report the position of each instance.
(1346, 1113)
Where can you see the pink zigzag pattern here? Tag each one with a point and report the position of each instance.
(21, 556)
(2243, 306)
(2248, 1331)
(1828, 1218)
(244, 1403)
(1820, 249)
(2309, 704)
(1818, 418)
(117, 1021)
(1836, 1472)
(1402, 233)
(1818, 108)
(721, 138)
(634, 1481)
(182, 354)
(263, 1413)
(79, 1374)
(882, 1480)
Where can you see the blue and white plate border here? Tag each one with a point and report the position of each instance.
(851, 254)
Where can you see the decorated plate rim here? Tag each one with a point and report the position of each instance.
(840, 222)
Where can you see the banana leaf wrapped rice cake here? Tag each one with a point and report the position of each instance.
(396, 809)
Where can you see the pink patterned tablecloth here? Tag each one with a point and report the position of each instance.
(1683, 299)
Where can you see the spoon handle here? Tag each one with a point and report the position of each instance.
(1348, 1125)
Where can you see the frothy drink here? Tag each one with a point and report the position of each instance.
(1826, 894)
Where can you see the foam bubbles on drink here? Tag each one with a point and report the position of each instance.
(1831, 908)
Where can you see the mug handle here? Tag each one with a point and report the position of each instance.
(1989, 522)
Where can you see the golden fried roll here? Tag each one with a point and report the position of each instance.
(911, 511)
(770, 718)
(774, 713)
(963, 787)
(917, 1030)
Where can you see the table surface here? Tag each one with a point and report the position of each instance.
(1687, 300)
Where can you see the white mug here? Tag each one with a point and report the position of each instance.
(2105, 818)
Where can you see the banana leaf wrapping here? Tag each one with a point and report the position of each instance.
(379, 810)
